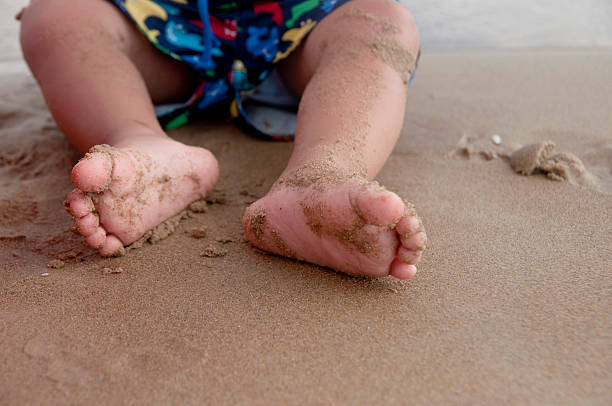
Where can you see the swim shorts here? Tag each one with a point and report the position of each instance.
(234, 47)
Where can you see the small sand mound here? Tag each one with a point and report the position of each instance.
(527, 159)
(539, 158)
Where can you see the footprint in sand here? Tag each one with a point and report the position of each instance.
(63, 365)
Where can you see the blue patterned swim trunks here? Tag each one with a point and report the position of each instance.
(233, 46)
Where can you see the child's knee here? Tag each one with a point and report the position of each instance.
(42, 28)
(381, 17)
(49, 24)
(401, 17)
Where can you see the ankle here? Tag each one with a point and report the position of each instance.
(320, 174)
(135, 135)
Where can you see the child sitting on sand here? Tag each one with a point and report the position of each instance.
(116, 74)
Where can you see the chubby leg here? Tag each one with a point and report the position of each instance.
(100, 77)
(352, 72)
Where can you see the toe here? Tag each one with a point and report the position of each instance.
(97, 238)
(408, 225)
(401, 270)
(408, 256)
(414, 242)
(88, 224)
(113, 247)
(378, 206)
(92, 173)
(411, 232)
(78, 204)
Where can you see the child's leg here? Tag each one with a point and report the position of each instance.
(98, 74)
(324, 208)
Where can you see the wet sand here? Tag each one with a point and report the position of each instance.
(511, 304)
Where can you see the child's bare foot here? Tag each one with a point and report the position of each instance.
(356, 227)
(124, 191)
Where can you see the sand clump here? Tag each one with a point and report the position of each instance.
(162, 230)
(225, 240)
(200, 206)
(526, 160)
(213, 251)
(56, 264)
(109, 270)
(540, 158)
(197, 232)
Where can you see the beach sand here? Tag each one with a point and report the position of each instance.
(512, 302)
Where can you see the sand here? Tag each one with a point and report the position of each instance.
(511, 304)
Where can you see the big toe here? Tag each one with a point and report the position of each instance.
(377, 205)
(93, 172)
